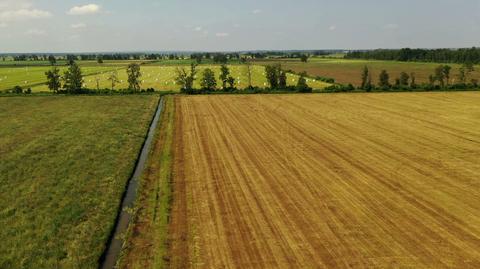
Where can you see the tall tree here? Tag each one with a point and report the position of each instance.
(413, 83)
(462, 77)
(446, 73)
(465, 71)
(304, 58)
(53, 79)
(134, 74)
(273, 73)
(113, 78)
(224, 74)
(73, 78)
(52, 60)
(208, 81)
(365, 77)
(249, 74)
(302, 85)
(440, 75)
(384, 80)
(282, 80)
(231, 82)
(404, 79)
(272, 76)
(185, 79)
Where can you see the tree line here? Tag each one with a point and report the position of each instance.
(72, 80)
(275, 75)
(441, 79)
(464, 55)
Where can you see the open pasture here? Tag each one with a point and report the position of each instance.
(64, 164)
(326, 181)
(34, 76)
(349, 71)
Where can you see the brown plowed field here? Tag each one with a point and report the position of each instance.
(327, 181)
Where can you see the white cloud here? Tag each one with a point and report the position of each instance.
(14, 4)
(3, 25)
(78, 26)
(222, 34)
(332, 28)
(257, 11)
(84, 10)
(36, 32)
(198, 29)
(23, 14)
(391, 26)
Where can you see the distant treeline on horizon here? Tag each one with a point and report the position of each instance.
(464, 55)
(460, 55)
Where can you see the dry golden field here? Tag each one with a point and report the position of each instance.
(327, 181)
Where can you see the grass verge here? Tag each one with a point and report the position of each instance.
(146, 245)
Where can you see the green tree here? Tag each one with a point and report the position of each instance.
(384, 80)
(113, 78)
(53, 79)
(17, 90)
(302, 85)
(446, 73)
(413, 83)
(73, 78)
(134, 74)
(404, 79)
(304, 58)
(462, 77)
(282, 80)
(185, 79)
(208, 81)
(224, 75)
(231, 82)
(52, 60)
(366, 78)
(440, 75)
(249, 74)
(464, 72)
(272, 72)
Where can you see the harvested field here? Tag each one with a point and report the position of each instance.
(327, 181)
(349, 71)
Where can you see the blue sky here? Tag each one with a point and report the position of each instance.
(226, 25)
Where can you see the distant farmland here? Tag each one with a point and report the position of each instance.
(158, 76)
(65, 162)
(349, 71)
(327, 181)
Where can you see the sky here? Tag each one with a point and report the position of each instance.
(228, 25)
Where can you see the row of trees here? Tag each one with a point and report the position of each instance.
(467, 55)
(72, 80)
(275, 75)
(440, 79)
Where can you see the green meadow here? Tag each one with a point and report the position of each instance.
(157, 75)
(65, 161)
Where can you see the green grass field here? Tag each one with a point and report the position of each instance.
(160, 76)
(349, 71)
(65, 162)
(34, 76)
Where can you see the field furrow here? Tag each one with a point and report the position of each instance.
(324, 181)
